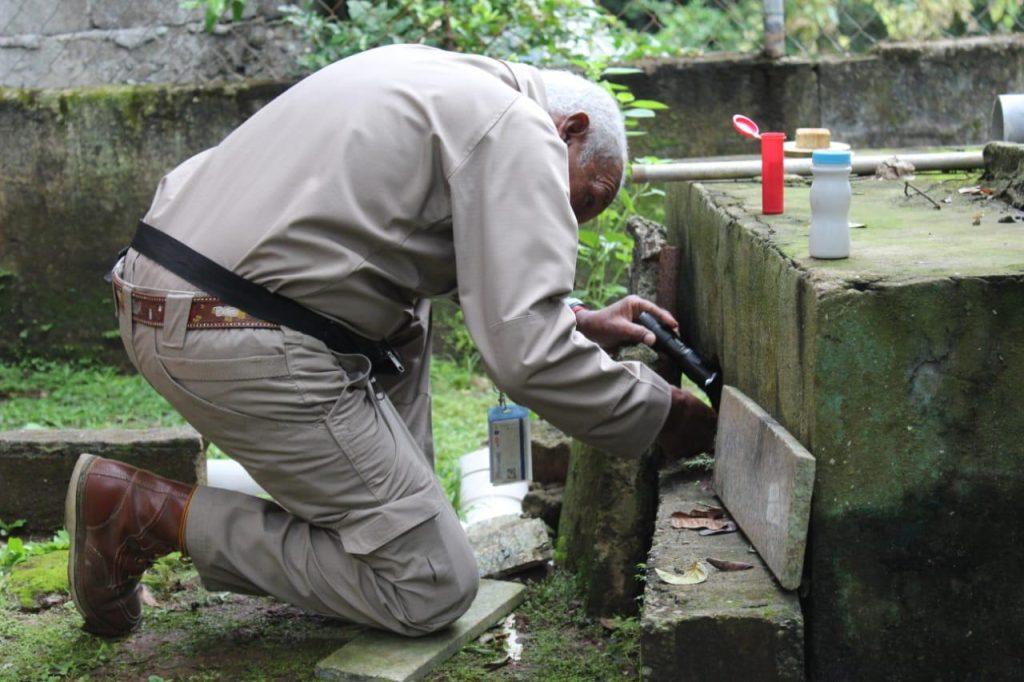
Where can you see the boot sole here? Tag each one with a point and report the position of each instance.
(76, 531)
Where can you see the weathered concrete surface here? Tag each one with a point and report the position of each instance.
(737, 625)
(900, 369)
(898, 95)
(549, 450)
(507, 545)
(765, 477)
(36, 465)
(384, 657)
(906, 94)
(79, 169)
(1004, 171)
(71, 43)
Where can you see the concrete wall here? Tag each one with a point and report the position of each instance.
(70, 43)
(79, 166)
(77, 171)
(899, 95)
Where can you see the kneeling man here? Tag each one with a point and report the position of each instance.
(277, 294)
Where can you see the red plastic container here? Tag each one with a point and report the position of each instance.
(771, 173)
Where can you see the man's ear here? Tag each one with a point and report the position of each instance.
(574, 126)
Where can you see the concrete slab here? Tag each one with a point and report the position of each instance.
(765, 477)
(509, 544)
(734, 626)
(384, 657)
(36, 464)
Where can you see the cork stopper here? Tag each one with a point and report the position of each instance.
(813, 138)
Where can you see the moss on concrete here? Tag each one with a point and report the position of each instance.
(38, 577)
(900, 369)
(605, 528)
(77, 173)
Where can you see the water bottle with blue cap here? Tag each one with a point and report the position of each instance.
(830, 204)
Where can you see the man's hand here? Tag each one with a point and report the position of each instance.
(689, 429)
(615, 325)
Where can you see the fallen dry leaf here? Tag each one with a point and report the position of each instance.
(726, 527)
(969, 190)
(708, 511)
(610, 624)
(682, 520)
(695, 574)
(723, 565)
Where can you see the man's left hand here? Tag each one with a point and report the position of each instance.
(615, 326)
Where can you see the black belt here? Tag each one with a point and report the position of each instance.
(257, 301)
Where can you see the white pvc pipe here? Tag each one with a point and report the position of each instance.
(478, 499)
(862, 165)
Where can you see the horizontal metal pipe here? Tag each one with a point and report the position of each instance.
(862, 165)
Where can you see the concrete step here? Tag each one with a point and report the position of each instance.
(36, 464)
(737, 625)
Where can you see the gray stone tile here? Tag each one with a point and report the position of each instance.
(384, 657)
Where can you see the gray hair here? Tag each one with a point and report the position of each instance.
(568, 94)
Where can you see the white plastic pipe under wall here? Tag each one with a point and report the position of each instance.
(862, 165)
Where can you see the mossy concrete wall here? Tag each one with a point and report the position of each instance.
(900, 369)
(78, 170)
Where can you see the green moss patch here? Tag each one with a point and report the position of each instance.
(38, 577)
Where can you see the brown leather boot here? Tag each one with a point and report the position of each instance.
(120, 520)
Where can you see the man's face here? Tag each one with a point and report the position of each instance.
(593, 184)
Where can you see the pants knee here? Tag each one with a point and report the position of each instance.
(436, 609)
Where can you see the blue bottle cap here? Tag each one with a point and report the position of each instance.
(826, 157)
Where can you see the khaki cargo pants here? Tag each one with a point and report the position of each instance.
(359, 527)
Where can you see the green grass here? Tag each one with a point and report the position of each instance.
(560, 643)
(41, 394)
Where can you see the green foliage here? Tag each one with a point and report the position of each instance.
(214, 10)
(17, 550)
(8, 528)
(528, 30)
(38, 576)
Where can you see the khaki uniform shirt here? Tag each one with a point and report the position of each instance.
(404, 173)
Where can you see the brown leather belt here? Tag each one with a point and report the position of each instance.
(206, 312)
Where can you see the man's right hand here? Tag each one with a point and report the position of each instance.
(689, 429)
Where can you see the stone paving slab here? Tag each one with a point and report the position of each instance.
(384, 657)
(737, 625)
(765, 477)
(36, 464)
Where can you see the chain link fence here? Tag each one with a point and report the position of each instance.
(64, 43)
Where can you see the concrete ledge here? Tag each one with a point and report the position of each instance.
(36, 465)
(735, 626)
